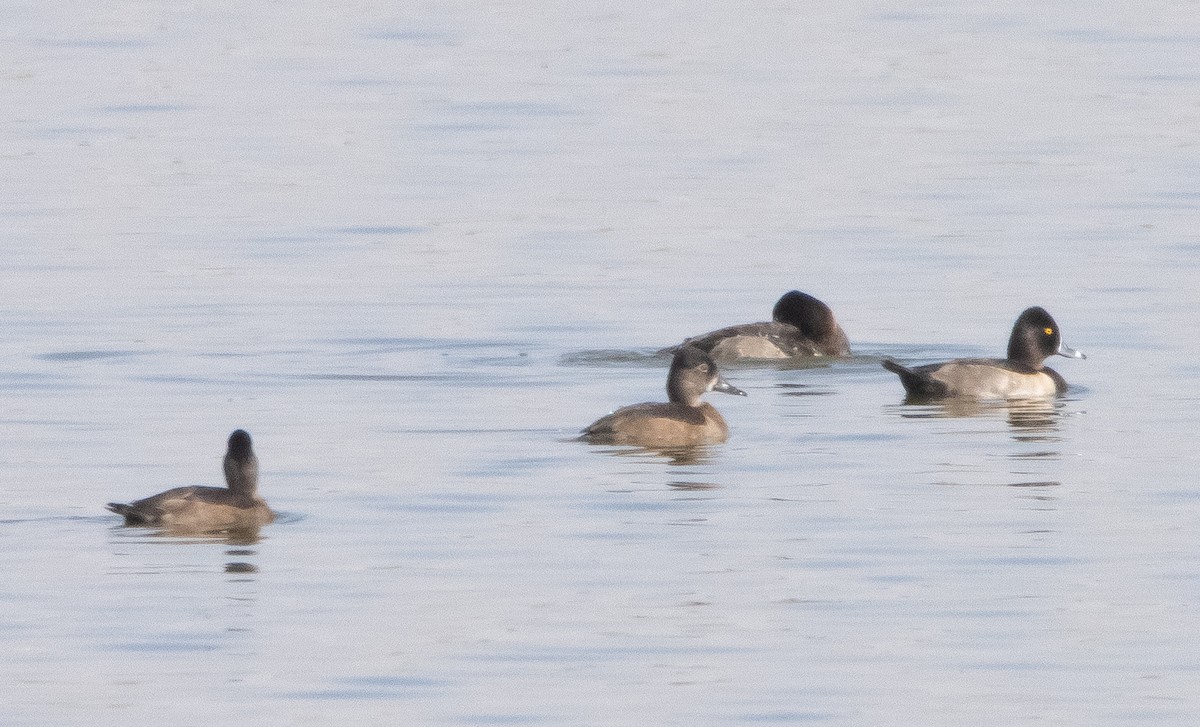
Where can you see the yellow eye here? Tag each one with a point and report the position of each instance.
(1048, 331)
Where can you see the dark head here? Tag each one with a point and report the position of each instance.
(692, 374)
(241, 466)
(1035, 336)
(814, 319)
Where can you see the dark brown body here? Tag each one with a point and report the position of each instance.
(667, 424)
(196, 509)
(683, 421)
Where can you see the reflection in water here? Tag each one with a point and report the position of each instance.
(1041, 484)
(240, 537)
(242, 616)
(611, 357)
(784, 364)
(1034, 416)
(1030, 421)
(1041, 491)
(791, 389)
(237, 538)
(698, 454)
(938, 409)
(694, 485)
(188, 574)
(240, 566)
(614, 357)
(1039, 454)
(228, 537)
(1027, 417)
(1036, 421)
(674, 457)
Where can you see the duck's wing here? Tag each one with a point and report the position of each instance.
(151, 510)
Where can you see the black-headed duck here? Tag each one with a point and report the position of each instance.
(1035, 336)
(801, 326)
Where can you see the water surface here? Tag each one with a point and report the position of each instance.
(414, 250)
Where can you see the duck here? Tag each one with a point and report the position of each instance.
(801, 326)
(683, 421)
(207, 509)
(1022, 375)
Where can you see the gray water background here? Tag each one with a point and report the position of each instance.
(413, 248)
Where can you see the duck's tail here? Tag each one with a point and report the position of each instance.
(917, 384)
(131, 514)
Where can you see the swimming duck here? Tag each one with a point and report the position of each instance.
(801, 326)
(207, 509)
(1035, 336)
(683, 421)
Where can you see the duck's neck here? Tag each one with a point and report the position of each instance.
(678, 395)
(242, 475)
(1020, 352)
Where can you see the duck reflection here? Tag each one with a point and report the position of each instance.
(692, 486)
(238, 540)
(215, 572)
(1042, 484)
(1034, 425)
(1032, 420)
(675, 456)
(239, 537)
(240, 566)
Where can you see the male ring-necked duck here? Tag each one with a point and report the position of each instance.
(207, 509)
(684, 421)
(801, 326)
(1035, 336)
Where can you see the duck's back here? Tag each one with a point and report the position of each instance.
(196, 509)
(767, 340)
(660, 425)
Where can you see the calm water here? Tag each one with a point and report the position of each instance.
(414, 249)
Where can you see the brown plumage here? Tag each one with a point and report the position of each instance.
(207, 509)
(683, 421)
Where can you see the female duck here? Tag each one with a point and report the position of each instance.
(206, 509)
(801, 326)
(684, 421)
(1022, 375)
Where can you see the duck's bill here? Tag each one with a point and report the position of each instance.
(724, 387)
(1065, 350)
